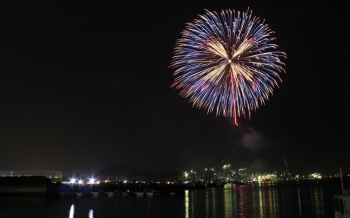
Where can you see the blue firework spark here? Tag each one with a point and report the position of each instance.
(226, 64)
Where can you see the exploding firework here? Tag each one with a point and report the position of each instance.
(225, 63)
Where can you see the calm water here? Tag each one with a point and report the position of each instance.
(246, 201)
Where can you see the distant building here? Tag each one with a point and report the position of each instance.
(47, 173)
(227, 173)
(192, 175)
(208, 174)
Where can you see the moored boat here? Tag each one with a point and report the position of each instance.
(342, 202)
(342, 205)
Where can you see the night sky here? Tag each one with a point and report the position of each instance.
(85, 85)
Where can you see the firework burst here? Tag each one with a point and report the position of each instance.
(226, 64)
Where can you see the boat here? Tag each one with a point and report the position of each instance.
(145, 193)
(239, 183)
(102, 193)
(67, 194)
(250, 182)
(342, 205)
(341, 202)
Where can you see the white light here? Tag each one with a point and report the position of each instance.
(92, 180)
(91, 213)
(71, 211)
(72, 180)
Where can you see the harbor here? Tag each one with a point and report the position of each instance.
(43, 186)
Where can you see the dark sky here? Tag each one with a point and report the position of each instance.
(85, 85)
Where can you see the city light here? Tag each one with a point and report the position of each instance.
(186, 175)
(226, 166)
(92, 181)
(316, 176)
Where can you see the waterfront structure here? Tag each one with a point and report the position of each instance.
(51, 174)
(191, 176)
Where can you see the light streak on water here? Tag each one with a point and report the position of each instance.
(187, 204)
(91, 213)
(71, 211)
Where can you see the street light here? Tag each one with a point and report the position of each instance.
(92, 181)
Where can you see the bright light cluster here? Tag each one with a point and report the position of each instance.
(225, 63)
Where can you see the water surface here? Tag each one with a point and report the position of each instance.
(258, 200)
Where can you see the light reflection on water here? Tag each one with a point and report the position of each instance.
(71, 211)
(299, 204)
(207, 204)
(228, 204)
(256, 200)
(187, 205)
